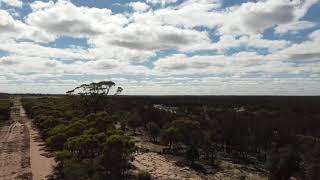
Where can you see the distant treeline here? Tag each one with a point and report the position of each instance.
(205, 100)
(223, 100)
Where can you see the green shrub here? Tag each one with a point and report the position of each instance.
(5, 109)
(143, 175)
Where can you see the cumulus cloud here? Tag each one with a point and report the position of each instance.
(300, 58)
(239, 64)
(255, 17)
(24, 65)
(181, 62)
(40, 5)
(65, 19)
(7, 23)
(138, 36)
(11, 28)
(139, 6)
(247, 18)
(189, 14)
(17, 67)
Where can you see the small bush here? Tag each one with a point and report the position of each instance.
(143, 175)
(4, 110)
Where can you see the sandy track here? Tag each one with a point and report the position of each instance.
(41, 165)
(21, 152)
(14, 147)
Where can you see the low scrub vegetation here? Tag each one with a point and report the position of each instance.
(5, 105)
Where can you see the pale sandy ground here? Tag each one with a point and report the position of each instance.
(41, 165)
(164, 167)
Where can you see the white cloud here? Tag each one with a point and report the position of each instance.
(255, 17)
(315, 35)
(294, 27)
(139, 6)
(141, 37)
(302, 58)
(7, 23)
(65, 19)
(248, 18)
(24, 65)
(40, 5)
(11, 28)
(189, 14)
(21, 67)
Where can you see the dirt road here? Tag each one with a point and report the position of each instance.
(14, 147)
(20, 149)
(41, 165)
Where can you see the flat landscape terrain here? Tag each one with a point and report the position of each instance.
(163, 137)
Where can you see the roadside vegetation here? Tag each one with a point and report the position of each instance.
(89, 132)
(5, 105)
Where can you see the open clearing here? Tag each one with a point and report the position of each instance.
(165, 167)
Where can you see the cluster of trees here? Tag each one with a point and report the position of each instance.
(83, 135)
(5, 105)
(81, 127)
(88, 146)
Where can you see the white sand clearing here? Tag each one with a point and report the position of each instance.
(160, 168)
(164, 167)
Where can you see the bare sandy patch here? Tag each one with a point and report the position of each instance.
(165, 167)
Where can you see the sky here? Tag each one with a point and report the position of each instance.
(162, 47)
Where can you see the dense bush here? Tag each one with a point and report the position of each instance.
(278, 136)
(87, 145)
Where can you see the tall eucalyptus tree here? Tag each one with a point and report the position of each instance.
(92, 96)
